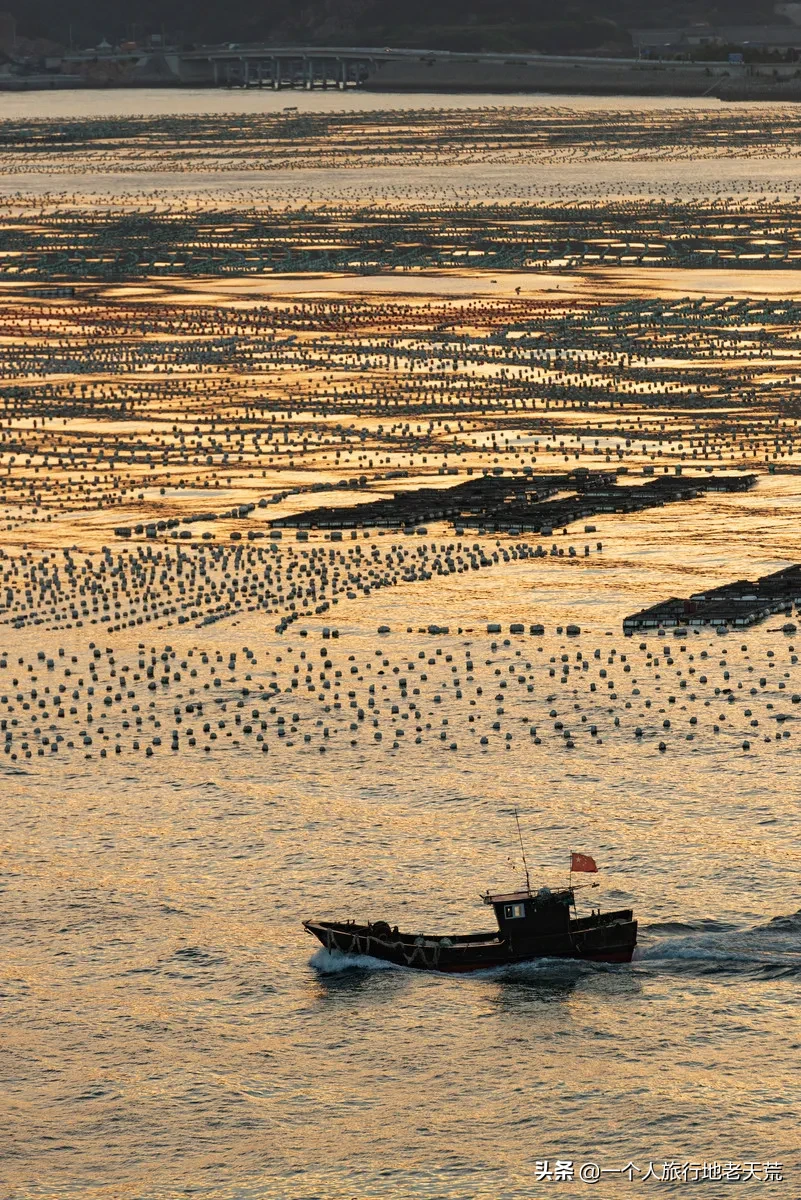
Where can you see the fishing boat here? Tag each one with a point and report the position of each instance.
(531, 925)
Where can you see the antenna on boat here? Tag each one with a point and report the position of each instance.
(523, 852)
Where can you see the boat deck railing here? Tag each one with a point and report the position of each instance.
(610, 918)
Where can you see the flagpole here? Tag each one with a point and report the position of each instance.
(523, 852)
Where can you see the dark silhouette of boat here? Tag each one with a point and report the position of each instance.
(531, 925)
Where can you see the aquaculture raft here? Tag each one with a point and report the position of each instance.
(531, 925)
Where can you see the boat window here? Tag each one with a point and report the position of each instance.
(513, 911)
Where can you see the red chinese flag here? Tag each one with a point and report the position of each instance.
(583, 862)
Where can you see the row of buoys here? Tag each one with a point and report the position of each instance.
(124, 415)
(173, 583)
(436, 135)
(328, 690)
(490, 401)
(560, 235)
(160, 582)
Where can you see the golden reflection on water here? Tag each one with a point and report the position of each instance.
(164, 1028)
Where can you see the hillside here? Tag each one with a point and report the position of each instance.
(508, 25)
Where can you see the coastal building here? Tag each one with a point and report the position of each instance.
(688, 40)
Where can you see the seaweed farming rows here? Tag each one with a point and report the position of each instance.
(102, 399)
(266, 141)
(164, 461)
(60, 244)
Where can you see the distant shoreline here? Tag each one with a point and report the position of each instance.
(307, 70)
(756, 93)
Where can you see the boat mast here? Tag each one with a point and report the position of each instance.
(523, 852)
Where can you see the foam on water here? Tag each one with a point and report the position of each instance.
(334, 962)
(329, 962)
(773, 948)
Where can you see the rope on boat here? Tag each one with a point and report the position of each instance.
(577, 944)
(425, 953)
(420, 950)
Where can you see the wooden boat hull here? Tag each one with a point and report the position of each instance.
(610, 939)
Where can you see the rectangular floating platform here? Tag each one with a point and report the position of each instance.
(732, 604)
(516, 503)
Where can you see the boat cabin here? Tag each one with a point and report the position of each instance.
(523, 916)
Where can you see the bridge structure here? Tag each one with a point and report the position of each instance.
(400, 69)
(304, 67)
